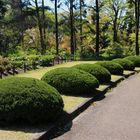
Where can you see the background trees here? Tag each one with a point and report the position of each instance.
(71, 27)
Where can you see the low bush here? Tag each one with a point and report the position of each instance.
(113, 67)
(101, 73)
(71, 81)
(134, 59)
(28, 99)
(33, 58)
(17, 64)
(46, 60)
(126, 64)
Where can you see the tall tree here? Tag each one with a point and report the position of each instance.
(44, 27)
(137, 20)
(97, 27)
(81, 24)
(40, 27)
(116, 10)
(135, 4)
(72, 28)
(56, 27)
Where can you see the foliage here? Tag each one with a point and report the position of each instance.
(126, 64)
(28, 99)
(3, 9)
(134, 59)
(113, 67)
(17, 64)
(101, 73)
(4, 61)
(115, 50)
(46, 60)
(71, 81)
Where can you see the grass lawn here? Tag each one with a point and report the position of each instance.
(14, 135)
(127, 72)
(137, 68)
(70, 102)
(114, 78)
(41, 71)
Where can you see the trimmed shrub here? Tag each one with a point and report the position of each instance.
(134, 59)
(46, 60)
(126, 64)
(113, 67)
(28, 99)
(71, 81)
(101, 73)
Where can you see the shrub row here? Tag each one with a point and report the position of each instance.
(35, 101)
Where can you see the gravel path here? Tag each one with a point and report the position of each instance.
(117, 117)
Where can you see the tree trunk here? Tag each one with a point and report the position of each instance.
(97, 28)
(72, 29)
(40, 28)
(115, 30)
(56, 29)
(44, 28)
(81, 27)
(137, 6)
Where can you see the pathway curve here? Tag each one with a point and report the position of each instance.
(117, 117)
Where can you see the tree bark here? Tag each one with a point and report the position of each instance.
(97, 28)
(44, 28)
(40, 28)
(137, 12)
(56, 29)
(115, 30)
(72, 29)
(81, 27)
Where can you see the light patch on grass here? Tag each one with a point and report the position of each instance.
(115, 78)
(70, 102)
(41, 71)
(127, 72)
(14, 135)
(137, 68)
(102, 87)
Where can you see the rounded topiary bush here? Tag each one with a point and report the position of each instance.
(134, 59)
(71, 81)
(126, 64)
(101, 73)
(29, 100)
(113, 67)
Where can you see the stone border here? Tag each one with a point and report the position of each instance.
(80, 108)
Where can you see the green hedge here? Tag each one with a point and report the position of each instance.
(126, 64)
(28, 99)
(101, 73)
(134, 59)
(71, 81)
(113, 67)
(46, 60)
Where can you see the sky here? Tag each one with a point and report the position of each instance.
(51, 4)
